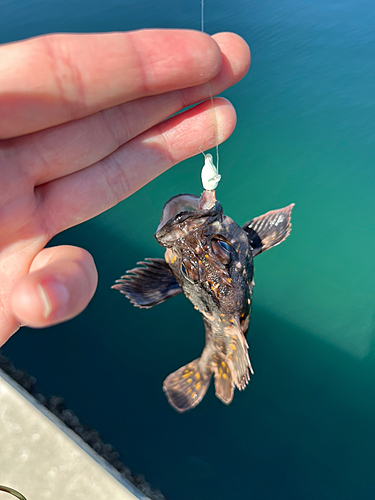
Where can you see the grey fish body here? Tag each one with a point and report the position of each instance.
(210, 259)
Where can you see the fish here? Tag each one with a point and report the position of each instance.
(210, 259)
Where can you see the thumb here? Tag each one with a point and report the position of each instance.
(60, 284)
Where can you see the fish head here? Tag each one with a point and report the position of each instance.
(209, 254)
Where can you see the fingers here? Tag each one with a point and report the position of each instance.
(61, 282)
(62, 150)
(73, 199)
(53, 79)
(235, 60)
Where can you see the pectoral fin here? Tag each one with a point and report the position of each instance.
(149, 285)
(269, 230)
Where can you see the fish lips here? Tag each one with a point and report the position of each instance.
(184, 222)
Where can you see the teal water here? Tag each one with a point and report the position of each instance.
(304, 427)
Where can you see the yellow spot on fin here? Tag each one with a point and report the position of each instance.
(232, 366)
(191, 386)
(223, 383)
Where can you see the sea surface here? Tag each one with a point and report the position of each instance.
(305, 426)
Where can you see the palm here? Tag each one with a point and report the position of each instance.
(84, 123)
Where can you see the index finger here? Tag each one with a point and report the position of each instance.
(52, 79)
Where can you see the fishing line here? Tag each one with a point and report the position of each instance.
(202, 16)
(210, 173)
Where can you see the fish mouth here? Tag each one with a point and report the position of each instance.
(181, 215)
(177, 204)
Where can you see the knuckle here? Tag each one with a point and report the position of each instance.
(68, 80)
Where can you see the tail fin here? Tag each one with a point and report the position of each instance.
(186, 387)
(228, 360)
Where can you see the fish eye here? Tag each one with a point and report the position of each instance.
(224, 245)
(183, 270)
(222, 250)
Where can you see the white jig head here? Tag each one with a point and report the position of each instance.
(209, 175)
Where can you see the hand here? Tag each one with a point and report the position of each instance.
(83, 124)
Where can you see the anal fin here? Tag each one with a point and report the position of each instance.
(238, 360)
(224, 385)
(231, 364)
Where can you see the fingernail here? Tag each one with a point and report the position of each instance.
(54, 296)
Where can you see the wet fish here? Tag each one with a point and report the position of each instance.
(210, 259)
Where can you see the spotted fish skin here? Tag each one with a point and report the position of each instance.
(209, 258)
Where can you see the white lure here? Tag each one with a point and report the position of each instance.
(209, 175)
